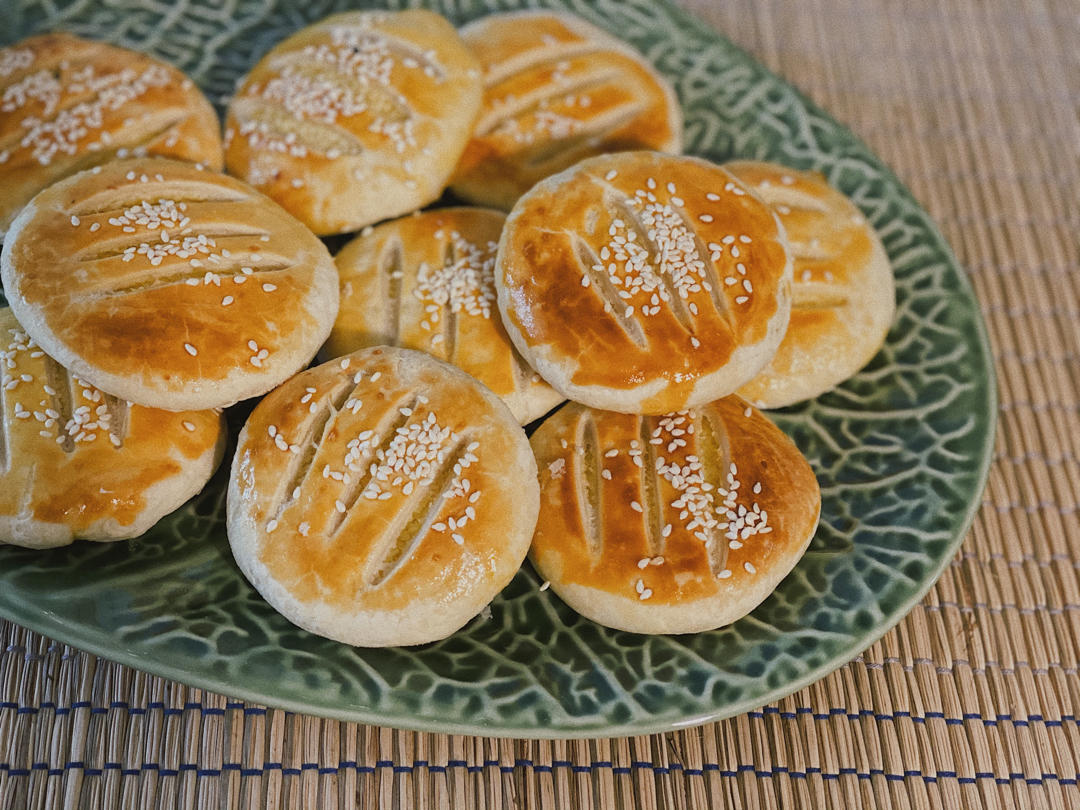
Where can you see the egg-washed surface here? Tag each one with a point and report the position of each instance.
(78, 463)
(669, 524)
(666, 263)
(843, 294)
(427, 282)
(381, 498)
(169, 285)
(557, 90)
(922, 414)
(356, 119)
(68, 103)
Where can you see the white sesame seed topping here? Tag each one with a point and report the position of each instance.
(749, 567)
(74, 221)
(228, 299)
(190, 349)
(544, 585)
(188, 426)
(705, 217)
(611, 175)
(268, 287)
(725, 574)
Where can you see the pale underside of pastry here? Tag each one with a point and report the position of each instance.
(669, 524)
(644, 283)
(843, 291)
(68, 104)
(167, 285)
(427, 282)
(557, 90)
(78, 463)
(382, 498)
(357, 118)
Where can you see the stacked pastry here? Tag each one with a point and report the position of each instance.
(387, 495)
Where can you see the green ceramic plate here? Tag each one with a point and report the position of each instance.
(901, 452)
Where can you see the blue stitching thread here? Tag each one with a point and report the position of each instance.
(157, 705)
(709, 767)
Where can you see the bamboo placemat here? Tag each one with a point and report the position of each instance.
(970, 702)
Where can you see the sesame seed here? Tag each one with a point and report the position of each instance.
(190, 349)
(273, 524)
(749, 567)
(705, 217)
(457, 538)
(636, 506)
(748, 412)
(712, 197)
(643, 562)
(724, 574)
(741, 299)
(189, 426)
(611, 175)
(74, 221)
(544, 585)
(268, 287)
(94, 227)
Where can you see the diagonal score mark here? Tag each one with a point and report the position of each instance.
(315, 429)
(537, 59)
(357, 484)
(149, 280)
(62, 400)
(522, 105)
(413, 520)
(180, 191)
(587, 478)
(318, 136)
(714, 453)
(583, 140)
(653, 510)
(594, 272)
(450, 318)
(391, 266)
(114, 248)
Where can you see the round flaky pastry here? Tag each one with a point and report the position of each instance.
(357, 118)
(427, 282)
(167, 285)
(79, 463)
(644, 283)
(67, 104)
(557, 90)
(382, 498)
(843, 293)
(669, 524)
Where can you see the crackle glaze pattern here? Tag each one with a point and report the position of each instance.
(901, 452)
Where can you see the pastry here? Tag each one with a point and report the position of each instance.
(427, 282)
(357, 118)
(79, 463)
(382, 498)
(168, 285)
(67, 104)
(669, 524)
(843, 295)
(557, 90)
(643, 283)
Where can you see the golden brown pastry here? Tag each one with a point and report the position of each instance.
(357, 118)
(382, 498)
(427, 282)
(168, 285)
(79, 463)
(669, 524)
(843, 295)
(557, 90)
(644, 283)
(67, 104)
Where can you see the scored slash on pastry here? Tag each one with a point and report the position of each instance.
(381, 498)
